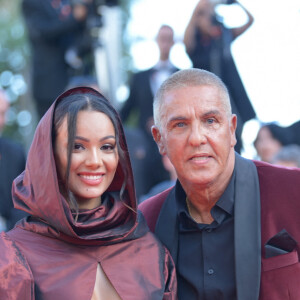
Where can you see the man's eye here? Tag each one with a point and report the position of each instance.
(181, 124)
(210, 121)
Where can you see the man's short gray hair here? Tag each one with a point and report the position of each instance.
(186, 78)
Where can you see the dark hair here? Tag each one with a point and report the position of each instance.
(70, 106)
(281, 134)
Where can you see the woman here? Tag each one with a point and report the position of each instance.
(84, 239)
(269, 141)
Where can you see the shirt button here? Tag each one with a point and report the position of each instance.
(210, 271)
(208, 230)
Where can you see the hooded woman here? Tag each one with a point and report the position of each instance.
(84, 238)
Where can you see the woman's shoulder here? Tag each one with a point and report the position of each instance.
(16, 280)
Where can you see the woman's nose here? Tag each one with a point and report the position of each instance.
(94, 158)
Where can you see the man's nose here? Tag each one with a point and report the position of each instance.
(197, 135)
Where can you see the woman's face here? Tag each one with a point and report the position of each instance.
(266, 145)
(94, 157)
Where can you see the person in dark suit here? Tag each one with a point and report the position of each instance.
(144, 84)
(53, 26)
(208, 44)
(231, 224)
(143, 87)
(12, 164)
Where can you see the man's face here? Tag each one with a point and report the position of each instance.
(197, 135)
(165, 41)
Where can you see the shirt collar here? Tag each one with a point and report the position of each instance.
(223, 209)
(163, 65)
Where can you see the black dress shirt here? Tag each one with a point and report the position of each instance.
(205, 265)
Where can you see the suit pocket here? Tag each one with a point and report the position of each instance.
(280, 261)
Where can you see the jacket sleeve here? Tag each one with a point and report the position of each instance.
(170, 278)
(16, 280)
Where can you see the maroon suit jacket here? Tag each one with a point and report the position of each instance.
(263, 208)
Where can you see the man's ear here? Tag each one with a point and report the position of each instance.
(233, 125)
(158, 139)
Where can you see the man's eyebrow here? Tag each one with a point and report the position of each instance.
(177, 118)
(211, 112)
(182, 118)
(102, 139)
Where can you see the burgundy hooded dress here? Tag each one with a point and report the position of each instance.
(49, 256)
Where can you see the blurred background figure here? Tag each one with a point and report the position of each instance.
(12, 164)
(140, 156)
(60, 45)
(158, 188)
(89, 81)
(207, 42)
(288, 156)
(144, 84)
(294, 128)
(270, 140)
(143, 87)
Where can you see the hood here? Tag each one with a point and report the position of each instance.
(36, 191)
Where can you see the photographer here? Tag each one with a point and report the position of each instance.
(208, 43)
(53, 27)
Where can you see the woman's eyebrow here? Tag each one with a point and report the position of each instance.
(102, 139)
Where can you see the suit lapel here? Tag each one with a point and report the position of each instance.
(166, 228)
(247, 234)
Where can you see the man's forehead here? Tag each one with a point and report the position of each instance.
(194, 95)
(189, 88)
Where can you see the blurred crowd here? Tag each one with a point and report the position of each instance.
(279, 145)
(62, 44)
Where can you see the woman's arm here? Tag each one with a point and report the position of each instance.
(237, 31)
(201, 20)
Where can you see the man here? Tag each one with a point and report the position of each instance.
(144, 84)
(231, 224)
(143, 87)
(12, 163)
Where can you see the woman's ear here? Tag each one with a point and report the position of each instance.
(158, 139)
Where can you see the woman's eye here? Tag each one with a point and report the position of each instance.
(78, 146)
(108, 147)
